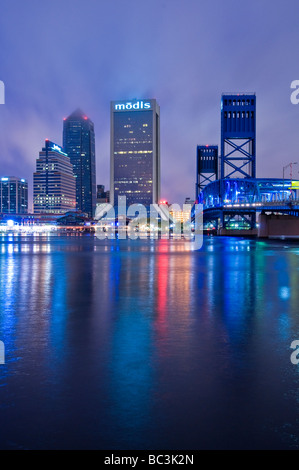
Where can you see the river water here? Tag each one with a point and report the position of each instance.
(148, 344)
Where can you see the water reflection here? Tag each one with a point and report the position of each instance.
(147, 344)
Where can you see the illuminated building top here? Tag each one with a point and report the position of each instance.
(135, 151)
(133, 105)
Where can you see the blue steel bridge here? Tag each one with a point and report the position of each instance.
(233, 203)
(227, 185)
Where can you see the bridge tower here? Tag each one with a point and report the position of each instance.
(238, 136)
(207, 166)
(238, 140)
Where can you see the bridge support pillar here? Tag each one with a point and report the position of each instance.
(278, 226)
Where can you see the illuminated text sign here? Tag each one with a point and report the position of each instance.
(130, 106)
(56, 147)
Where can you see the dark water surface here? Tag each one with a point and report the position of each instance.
(148, 345)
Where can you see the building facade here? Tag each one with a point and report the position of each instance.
(102, 195)
(79, 144)
(13, 195)
(135, 151)
(54, 184)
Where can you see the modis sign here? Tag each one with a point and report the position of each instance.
(132, 105)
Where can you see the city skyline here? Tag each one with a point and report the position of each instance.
(78, 131)
(186, 73)
(149, 227)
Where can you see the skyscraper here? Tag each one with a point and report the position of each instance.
(54, 185)
(79, 144)
(13, 195)
(135, 151)
(102, 195)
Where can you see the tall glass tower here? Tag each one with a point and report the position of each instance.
(79, 144)
(135, 151)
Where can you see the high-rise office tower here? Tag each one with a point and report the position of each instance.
(54, 185)
(79, 144)
(135, 151)
(13, 195)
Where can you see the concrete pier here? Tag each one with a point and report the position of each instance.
(278, 226)
(237, 232)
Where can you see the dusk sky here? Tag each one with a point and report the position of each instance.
(56, 56)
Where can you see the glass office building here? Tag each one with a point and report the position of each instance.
(135, 151)
(79, 144)
(54, 184)
(13, 195)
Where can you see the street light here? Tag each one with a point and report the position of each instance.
(284, 168)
